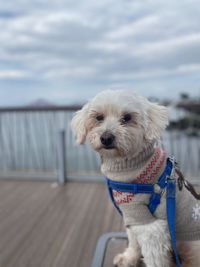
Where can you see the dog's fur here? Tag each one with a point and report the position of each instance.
(106, 113)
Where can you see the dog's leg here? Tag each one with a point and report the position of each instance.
(155, 243)
(131, 256)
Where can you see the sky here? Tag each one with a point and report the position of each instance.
(67, 51)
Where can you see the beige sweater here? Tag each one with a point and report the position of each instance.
(134, 207)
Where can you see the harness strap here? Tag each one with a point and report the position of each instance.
(141, 188)
(155, 198)
(165, 180)
(171, 215)
(127, 188)
(110, 191)
(130, 188)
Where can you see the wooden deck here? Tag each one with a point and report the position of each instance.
(42, 225)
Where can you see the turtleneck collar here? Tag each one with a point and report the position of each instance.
(146, 167)
(128, 163)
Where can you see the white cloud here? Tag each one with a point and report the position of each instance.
(189, 68)
(77, 72)
(13, 74)
(170, 44)
(156, 73)
(134, 28)
(107, 46)
(91, 45)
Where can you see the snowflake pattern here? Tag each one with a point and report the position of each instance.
(196, 212)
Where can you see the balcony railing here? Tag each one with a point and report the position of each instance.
(29, 144)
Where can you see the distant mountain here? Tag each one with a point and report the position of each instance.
(41, 103)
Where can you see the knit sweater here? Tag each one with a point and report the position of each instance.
(134, 207)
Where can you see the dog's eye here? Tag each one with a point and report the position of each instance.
(99, 118)
(126, 118)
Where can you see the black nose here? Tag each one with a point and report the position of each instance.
(107, 139)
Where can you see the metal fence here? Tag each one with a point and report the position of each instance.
(29, 143)
(29, 146)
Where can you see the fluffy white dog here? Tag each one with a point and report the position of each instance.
(123, 127)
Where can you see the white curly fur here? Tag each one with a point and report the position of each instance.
(148, 120)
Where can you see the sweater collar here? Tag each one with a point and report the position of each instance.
(128, 164)
(150, 163)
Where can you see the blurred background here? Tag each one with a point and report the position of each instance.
(55, 55)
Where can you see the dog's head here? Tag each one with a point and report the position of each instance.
(119, 123)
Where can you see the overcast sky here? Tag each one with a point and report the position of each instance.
(67, 51)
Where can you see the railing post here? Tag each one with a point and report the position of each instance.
(61, 157)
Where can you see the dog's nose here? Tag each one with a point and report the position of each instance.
(107, 139)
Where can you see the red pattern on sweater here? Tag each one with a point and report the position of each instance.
(147, 176)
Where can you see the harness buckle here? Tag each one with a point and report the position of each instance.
(157, 189)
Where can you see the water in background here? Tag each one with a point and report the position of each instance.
(29, 142)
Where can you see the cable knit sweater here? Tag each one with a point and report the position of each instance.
(134, 207)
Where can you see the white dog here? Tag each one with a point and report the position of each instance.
(123, 127)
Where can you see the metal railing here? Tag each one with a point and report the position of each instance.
(29, 143)
(29, 146)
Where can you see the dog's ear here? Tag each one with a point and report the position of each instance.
(157, 120)
(78, 124)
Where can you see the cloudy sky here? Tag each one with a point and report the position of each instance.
(67, 51)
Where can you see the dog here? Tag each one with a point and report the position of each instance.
(124, 129)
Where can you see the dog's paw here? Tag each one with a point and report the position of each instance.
(123, 260)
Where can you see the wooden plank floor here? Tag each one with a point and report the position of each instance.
(46, 226)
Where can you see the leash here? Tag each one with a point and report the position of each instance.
(182, 182)
(165, 181)
(171, 215)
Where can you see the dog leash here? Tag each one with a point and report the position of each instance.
(166, 180)
(171, 215)
(182, 182)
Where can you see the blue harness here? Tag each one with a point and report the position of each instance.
(165, 181)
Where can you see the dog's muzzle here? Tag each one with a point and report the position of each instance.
(107, 139)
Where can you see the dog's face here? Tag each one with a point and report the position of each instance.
(118, 123)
